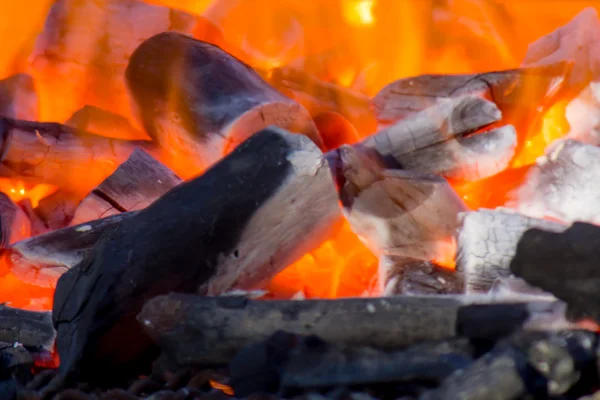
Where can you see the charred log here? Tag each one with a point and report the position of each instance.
(407, 276)
(57, 210)
(104, 123)
(43, 151)
(137, 183)
(30, 328)
(18, 98)
(440, 140)
(252, 214)
(487, 242)
(14, 223)
(199, 102)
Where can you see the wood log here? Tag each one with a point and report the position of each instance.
(81, 54)
(14, 223)
(199, 102)
(510, 90)
(195, 330)
(18, 98)
(487, 242)
(57, 209)
(37, 226)
(561, 184)
(398, 213)
(441, 140)
(32, 329)
(105, 123)
(335, 130)
(59, 155)
(42, 259)
(564, 264)
(262, 207)
(136, 184)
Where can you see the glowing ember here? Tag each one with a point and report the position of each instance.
(224, 388)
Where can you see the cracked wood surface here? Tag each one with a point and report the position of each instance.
(487, 242)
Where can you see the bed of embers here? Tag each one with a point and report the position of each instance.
(351, 199)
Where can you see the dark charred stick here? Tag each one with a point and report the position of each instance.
(195, 330)
(14, 223)
(440, 140)
(562, 184)
(18, 98)
(60, 155)
(199, 102)
(30, 328)
(137, 183)
(487, 242)
(42, 259)
(104, 123)
(564, 264)
(260, 208)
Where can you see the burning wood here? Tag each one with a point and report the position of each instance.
(199, 102)
(415, 277)
(57, 210)
(42, 151)
(137, 183)
(263, 206)
(335, 130)
(487, 242)
(18, 98)
(561, 184)
(440, 140)
(81, 55)
(14, 223)
(104, 123)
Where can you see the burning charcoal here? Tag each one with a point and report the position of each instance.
(81, 55)
(564, 264)
(43, 151)
(415, 277)
(30, 328)
(199, 102)
(211, 238)
(104, 123)
(137, 183)
(510, 90)
(18, 98)
(42, 259)
(57, 209)
(562, 184)
(577, 41)
(440, 140)
(497, 375)
(14, 223)
(195, 330)
(487, 242)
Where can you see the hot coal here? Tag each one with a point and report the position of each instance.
(406, 276)
(18, 98)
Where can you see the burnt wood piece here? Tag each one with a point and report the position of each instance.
(42, 259)
(81, 54)
(60, 155)
(199, 102)
(398, 213)
(319, 96)
(18, 98)
(441, 140)
(335, 130)
(137, 183)
(105, 123)
(194, 330)
(562, 184)
(260, 208)
(564, 264)
(57, 209)
(510, 90)
(487, 242)
(32, 329)
(38, 227)
(14, 223)
(408, 276)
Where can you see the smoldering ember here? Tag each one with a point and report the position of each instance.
(349, 199)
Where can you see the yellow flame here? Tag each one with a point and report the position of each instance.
(359, 12)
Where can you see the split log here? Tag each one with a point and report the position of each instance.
(487, 242)
(81, 54)
(262, 207)
(18, 98)
(195, 330)
(562, 184)
(57, 209)
(199, 102)
(398, 213)
(441, 140)
(511, 90)
(42, 259)
(59, 155)
(136, 184)
(14, 223)
(104, 123)
(32, 329)
(564, 264)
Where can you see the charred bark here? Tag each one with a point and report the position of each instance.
(30, 328)
(199, 102)
(260, 208)
(137, 183)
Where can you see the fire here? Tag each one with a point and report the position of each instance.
(358, 44)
